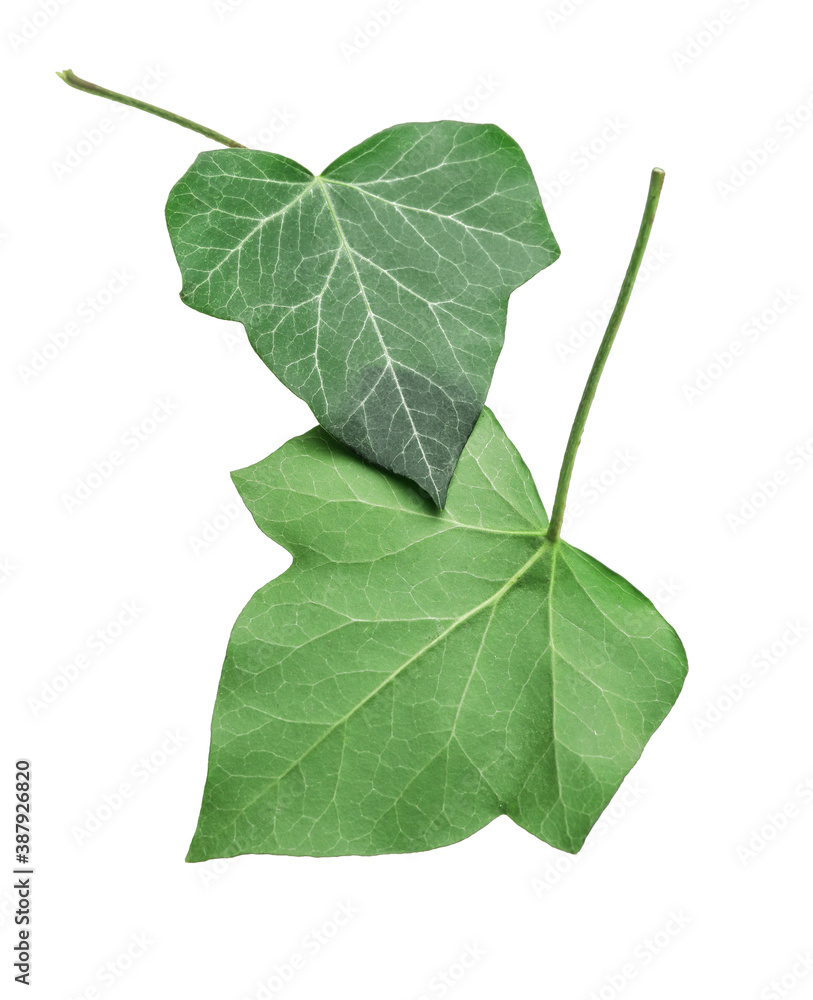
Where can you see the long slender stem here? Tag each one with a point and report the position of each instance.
(557, 516)
(73, 80)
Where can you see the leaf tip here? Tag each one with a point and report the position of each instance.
(438, 496)
(195, 854)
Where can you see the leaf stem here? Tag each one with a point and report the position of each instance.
(78, 83)
(558, 514)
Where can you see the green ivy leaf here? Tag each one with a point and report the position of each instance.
(417, 673)
(377, 291)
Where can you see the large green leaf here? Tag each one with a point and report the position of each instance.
(376, 291)
(417, 673)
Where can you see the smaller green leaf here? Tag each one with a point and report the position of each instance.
(377, 291)
(417, 673)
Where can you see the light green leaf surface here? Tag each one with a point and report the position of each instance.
(376, 291)
(417, 673)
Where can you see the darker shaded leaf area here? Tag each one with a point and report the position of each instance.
(384, 430)
(378, 288)
(417, 673)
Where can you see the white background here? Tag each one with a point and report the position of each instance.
(639, 84)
